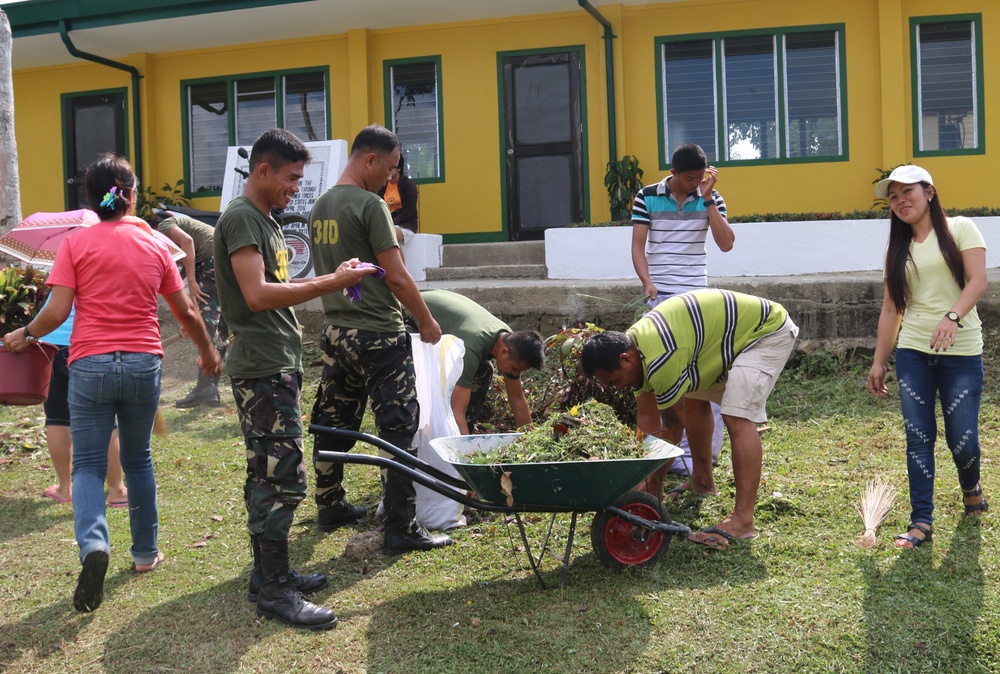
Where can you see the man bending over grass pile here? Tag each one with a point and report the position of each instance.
(714, 345)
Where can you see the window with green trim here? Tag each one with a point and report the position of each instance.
(413, 113)
(235, 111)
(751, 96)
(947, 89)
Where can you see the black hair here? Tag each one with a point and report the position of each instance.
(603, 351)
(108, 181)
(375, 138)
(688, 157)
(278, 147)
(897, 253)
(527, 346)
(401, 164)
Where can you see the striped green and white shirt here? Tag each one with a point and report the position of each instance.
(689, 341)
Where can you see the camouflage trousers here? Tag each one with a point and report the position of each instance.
(276, 473)
(481, 385)
(359, 366)
(211, 314)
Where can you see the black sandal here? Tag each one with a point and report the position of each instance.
(982, 506)
(913, 541)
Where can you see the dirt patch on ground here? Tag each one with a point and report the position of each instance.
(180, 370)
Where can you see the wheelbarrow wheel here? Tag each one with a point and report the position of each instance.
(619, 543)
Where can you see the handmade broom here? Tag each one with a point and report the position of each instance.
(876, 502)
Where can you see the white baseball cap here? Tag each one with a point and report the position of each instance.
(907, 174)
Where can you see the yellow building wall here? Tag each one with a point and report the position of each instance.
(879, 107)
(39, 127)
(470, 199)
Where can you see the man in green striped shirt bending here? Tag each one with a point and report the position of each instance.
(710, 344)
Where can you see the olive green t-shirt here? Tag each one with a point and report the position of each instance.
(478, 328)
(263, 343)
(347, 222)
(199, 232)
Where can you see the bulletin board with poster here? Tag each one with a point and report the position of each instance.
(329, 157)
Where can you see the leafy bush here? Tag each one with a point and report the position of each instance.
(558, 386)
(22, 294)
(168, 196)
(623, 178)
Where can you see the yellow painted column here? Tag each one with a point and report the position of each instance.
(358, 80)
(147, 118)
(894, 77)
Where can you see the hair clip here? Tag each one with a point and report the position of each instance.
(109, 199)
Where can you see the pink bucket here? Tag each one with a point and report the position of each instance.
(24, 377)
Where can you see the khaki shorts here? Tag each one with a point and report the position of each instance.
(744, 391)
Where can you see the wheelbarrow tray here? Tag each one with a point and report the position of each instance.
(573, 485)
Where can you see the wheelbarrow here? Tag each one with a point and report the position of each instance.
(630, 528)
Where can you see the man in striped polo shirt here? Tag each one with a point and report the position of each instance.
(704, 345)
(670, 224)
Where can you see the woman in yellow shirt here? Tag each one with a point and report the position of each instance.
(935, 272)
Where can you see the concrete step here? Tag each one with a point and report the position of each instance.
(490, 254)
(492, 271)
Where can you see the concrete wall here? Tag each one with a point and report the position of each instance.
(761, 249)
(824, 306)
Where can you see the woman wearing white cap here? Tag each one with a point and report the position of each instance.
(935, 272)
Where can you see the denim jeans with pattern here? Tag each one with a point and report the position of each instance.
(958, 381)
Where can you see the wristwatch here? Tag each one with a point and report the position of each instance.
(709, 202)
(28, 337)
(953, 316)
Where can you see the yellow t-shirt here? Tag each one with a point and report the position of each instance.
(933, 292)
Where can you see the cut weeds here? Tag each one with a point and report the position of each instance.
(801, 598)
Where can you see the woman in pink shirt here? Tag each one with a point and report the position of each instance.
(112, 272)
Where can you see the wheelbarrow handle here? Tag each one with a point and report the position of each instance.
(400, 455)
(431, 483)
(674, 528)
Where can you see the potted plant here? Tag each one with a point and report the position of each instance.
(26, 375)
(623, 178)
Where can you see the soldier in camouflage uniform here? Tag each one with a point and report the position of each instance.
(195, 238)
(367, 350)
(265, 366)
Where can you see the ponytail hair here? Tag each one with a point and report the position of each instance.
(108, 182)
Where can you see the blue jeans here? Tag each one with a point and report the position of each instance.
(102, 388)
(958, 380)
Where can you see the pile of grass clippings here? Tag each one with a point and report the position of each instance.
(588, 431)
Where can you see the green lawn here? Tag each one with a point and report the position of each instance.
(801, 598)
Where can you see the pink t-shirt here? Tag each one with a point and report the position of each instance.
(117, 269)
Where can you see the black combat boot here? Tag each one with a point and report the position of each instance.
(402, 531)
(398, 542)
(331, 518)
(279, 599)
(205, 392)
(304, 583)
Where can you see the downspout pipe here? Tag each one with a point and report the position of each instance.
(137, 154)
(609, 65)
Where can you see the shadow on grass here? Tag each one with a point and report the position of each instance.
(47, 630)
(26, 515)
(213, 628)
(509, 626)
(924, 618)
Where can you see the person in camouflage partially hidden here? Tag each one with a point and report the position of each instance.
(265, 366)
(195, 238)
(367, 352)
